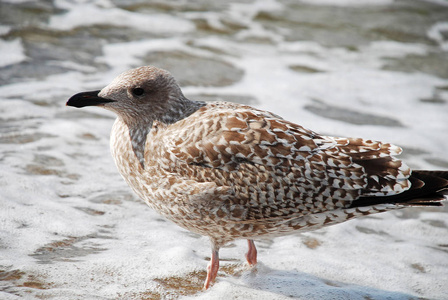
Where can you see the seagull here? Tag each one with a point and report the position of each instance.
(231, 171)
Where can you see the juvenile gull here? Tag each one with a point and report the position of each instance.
(230, 171)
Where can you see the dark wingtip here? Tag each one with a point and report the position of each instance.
(429, 188)
(87, 99)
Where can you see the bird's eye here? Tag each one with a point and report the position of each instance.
(138, 91)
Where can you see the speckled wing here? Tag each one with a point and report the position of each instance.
(278, 168)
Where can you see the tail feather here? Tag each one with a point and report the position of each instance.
(427, 189)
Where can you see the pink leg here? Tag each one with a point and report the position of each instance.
(251, 254)
(212, 268)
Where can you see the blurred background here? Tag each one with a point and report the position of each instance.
(70, 228)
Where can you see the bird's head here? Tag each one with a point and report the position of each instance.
(142, 94)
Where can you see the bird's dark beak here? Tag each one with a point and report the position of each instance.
(87, 99)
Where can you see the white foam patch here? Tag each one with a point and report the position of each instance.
(12, 52)
(348, 2)
(438, 33)
(88, 15)
(130, 52)
(4, 29)
(18, 1)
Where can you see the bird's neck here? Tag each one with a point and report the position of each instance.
(127, 148)
(128, 145)
(180, 108)
(139, 128)
(138, 140)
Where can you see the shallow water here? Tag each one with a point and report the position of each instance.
(70, 228)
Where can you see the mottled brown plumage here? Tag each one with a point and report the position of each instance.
(230, 171)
